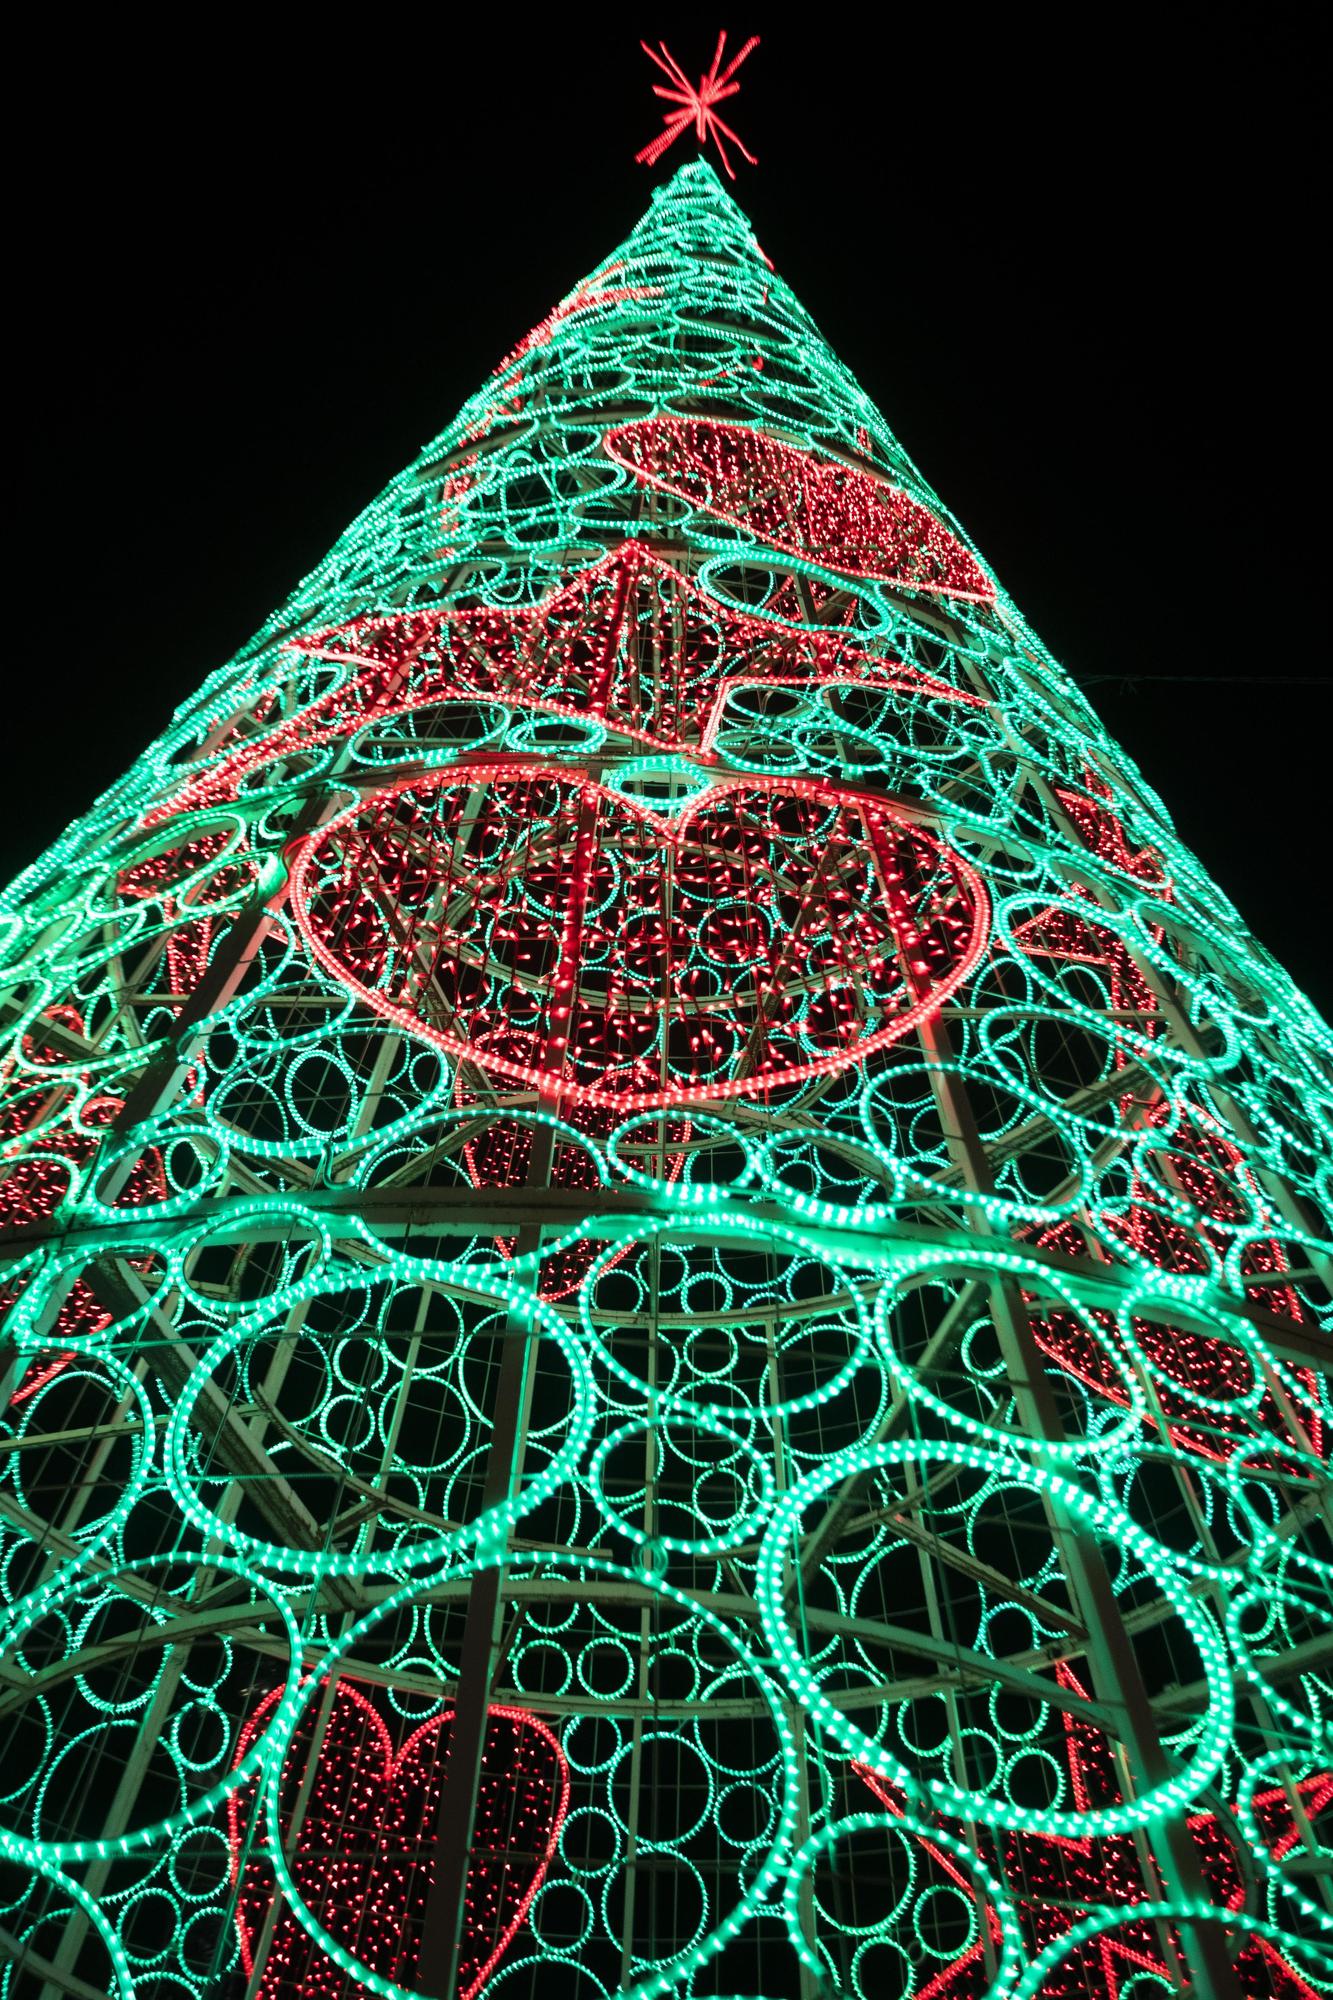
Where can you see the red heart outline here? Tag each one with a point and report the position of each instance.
(877, 819)
(393, 1765)
(1098, 1861)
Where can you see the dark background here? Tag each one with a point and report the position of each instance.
(1073, 257)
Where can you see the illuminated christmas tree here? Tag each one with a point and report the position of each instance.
(667, 1299)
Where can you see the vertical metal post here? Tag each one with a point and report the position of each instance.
(808, 1980)
(1112, 1662)
(916, 1494)
(645, 1639)
(455, 1818)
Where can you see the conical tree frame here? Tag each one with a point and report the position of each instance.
(666, 1264)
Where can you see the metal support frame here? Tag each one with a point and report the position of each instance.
(1096, 1630)
(442, 1928)
(1112, 1662)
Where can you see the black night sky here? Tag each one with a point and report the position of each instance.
(1071, 254)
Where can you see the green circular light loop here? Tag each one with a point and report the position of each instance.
(49, 1270)
(135, 1396)
(289, 1710)
(727, 552)
(1151, 1095)
(922, 1265)
(745, 1524)
(1088, 1515)
(1270, 1597)
(432, 1550)
(543, 732)
(25, 1855)
(740, 1230)
(998, 1904)
(1270, 1542)
(682, 1191)
(60, 1589)
(1148, 1296)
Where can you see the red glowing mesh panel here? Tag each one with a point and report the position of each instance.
(629, 641)
(815, 508)
(33, 1185)
(1056, 1881)
(1212, 1369)
(1103, 833)
(500, 1157)
(548, 931)
(1070, 931)
(363, 1845)
(187, 887)
(1198, 1164)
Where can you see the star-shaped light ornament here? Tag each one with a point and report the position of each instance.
(696, 104)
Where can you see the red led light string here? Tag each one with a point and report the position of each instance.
(363, 1855)
(1103, 834)
(1058, 1879)
(538, 964)
(820, 510)
(907, 681)
(33, 1188)
(591, 296)
(696, 104)
(530, 659)
(717, 838)
(1190, 1360)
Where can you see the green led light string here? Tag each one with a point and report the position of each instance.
(918, 1568)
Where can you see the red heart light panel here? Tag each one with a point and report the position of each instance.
(362, 1845)
(1057, 1880)
(547, 930)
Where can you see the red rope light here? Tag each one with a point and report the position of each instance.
(363, 1844)
(1059, 1879)
(696, 104)
(575, 654)
(524, 907)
